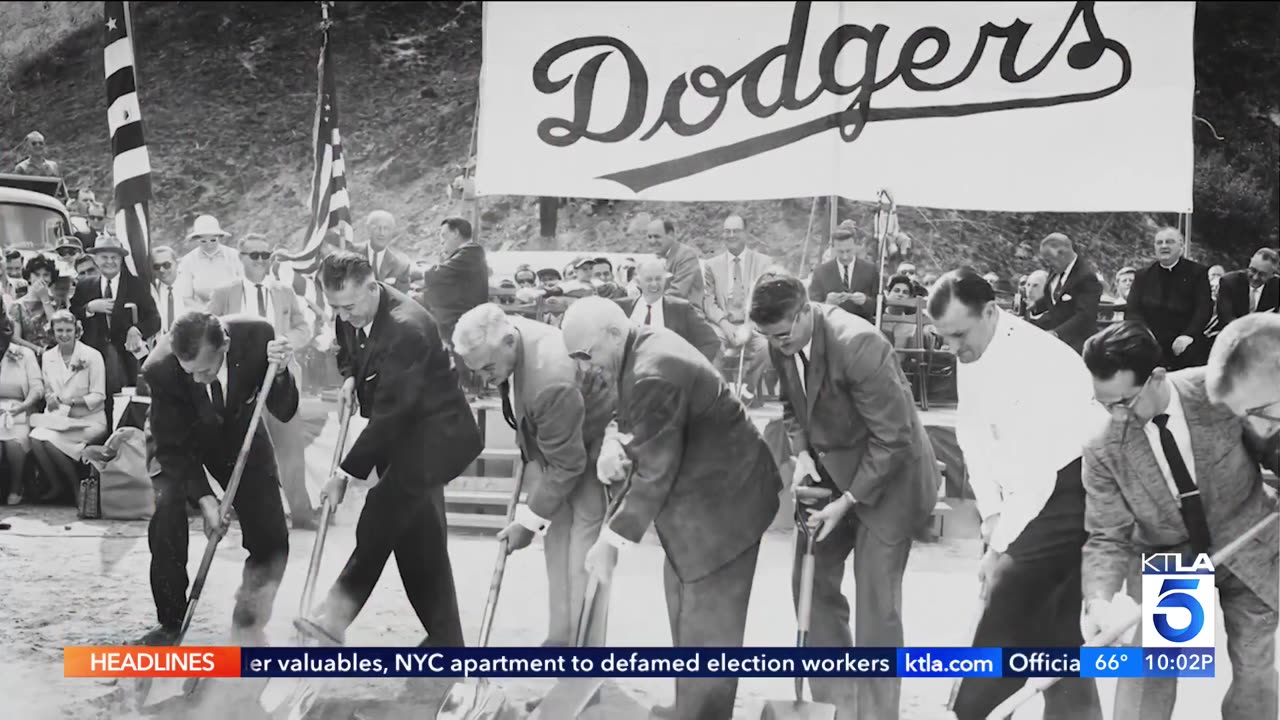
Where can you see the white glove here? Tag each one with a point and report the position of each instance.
(613, 464)
(805, 472)
(1100, 616)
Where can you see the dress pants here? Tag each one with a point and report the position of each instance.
(1251, 644)
(757, 350)
(574, 529)
(288, 440)
(264, 533)
(878, 567)
(1036, 603)
(709, 612)
(412, 526)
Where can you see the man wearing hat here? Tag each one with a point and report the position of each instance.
(36, 163)
(210, 266)
(118, 315)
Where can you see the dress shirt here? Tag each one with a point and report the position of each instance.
(375, 259)
(114, 284)
(804, 381)
(222, 380)
(1026, 411)
(1255, 297)
(642, 308)
(249, 301)
(199, 275)
(1181, 435)
(846, 277)
(1059, 279)
(160, 293)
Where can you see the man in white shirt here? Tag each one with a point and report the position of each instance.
(1175, 472)
(657, 309)
(168, 299)
(1025, 412)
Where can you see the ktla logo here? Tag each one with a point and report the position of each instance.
(1178, 602)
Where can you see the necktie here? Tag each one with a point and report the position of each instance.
(508, 413)
(648, 315)
(169, 309)
(1192, 506)
(262, 301)
(215, 394)
(804, 372)
(106, 295)
(848, 271)
(361, 337)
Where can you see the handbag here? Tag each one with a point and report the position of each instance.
(90, 507)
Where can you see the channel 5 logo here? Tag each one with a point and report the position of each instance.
(1178, 601)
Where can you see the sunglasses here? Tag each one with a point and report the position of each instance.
(653, 236)
(67, 252)
(257, 255)
(162, 266)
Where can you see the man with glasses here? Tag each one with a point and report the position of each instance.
(865, 468)
(1026, 410)
(1254, 289)
(1175, 472)
(698, 470)
(35, 163)
(210, 266)
(169, 301)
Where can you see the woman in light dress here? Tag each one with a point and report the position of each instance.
(21, 388)
(75, 392)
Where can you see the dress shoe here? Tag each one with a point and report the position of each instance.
(663, 712)
(160, 636)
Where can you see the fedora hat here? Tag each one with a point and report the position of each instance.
(206, 226)
(108, 244)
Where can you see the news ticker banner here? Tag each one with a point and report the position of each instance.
(527, 662)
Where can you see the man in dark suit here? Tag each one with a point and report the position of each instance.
(699, 471)
(106, 307)
(421, 435)
(1069, 307)
(460, 281)
(847, 281)
(687, 280)
(1255, 289)
(390, 266)
(862, 449)
(203, 378)
(1174, 472)
(1171, 296)
(655, 308)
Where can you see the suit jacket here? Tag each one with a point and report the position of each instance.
(561, 413)
(187, 434)
(287, 317)
(719, 277)
(858, 421)
(687, 281)
(702, 472)
(1130, 510)
(420, 424)
(680, 318)
(395, 267)
(827, 278)
(459, 283)
(99, 336)
(1072, 309)
(1184, 309)
(1233, 297)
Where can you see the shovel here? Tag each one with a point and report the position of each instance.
(481, 700)
(973, 634)
(147, 693)
(292, 698)
(799, 709)
(1035, 686)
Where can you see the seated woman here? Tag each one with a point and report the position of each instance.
(20, 391)
(75, 382)
(31, 314)
(903, 332)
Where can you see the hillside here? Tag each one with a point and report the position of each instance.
(227, 90)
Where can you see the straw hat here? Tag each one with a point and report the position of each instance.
(108, 244)
(206, 226)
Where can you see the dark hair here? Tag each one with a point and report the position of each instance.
(458, 225)
(85, 258)
(840, 234)
(668, 227)
(602, 261)
(194, 331)
(901, 280)
(13, 255)
(964, 285)
(342, 267)
(1124, 346)
(777, 299)
(38, 263)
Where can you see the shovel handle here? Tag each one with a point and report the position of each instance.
(500, 565)
(326, 514)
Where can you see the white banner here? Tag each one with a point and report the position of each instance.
(1021, 106)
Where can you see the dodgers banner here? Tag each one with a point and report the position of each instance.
(1019, 106)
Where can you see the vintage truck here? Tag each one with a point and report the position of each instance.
(31, 218)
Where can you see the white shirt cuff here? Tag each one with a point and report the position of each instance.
(528, 519)
(608, 535)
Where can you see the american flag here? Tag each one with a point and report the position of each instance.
(330, 204)
(131, 165)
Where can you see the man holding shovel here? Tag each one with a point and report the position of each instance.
(1174, 472)
(559, 412)
(700, 471)
(865, 465)
(421, 435)
(204, 378)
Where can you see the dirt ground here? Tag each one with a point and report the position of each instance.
(70, 582)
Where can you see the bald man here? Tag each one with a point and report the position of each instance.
(698, 470)
(1069, 307)
(389, 265)
(655, 308)
(683, 263)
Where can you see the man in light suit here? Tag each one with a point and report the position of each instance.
(1174, 472)
(730, 276)
(390, 266)
(261, 295)
(700, 472)
(1255, 289)
(559, 413)
(847, 281)
(655, 308)
(864, 464)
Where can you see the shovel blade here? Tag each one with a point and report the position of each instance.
(568, 698)
(797, 710)
(474, 701)
(288, 698)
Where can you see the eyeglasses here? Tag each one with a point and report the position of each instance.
(1126, 404)
(781, 338)
(257, 255)
(67, 252)
(1258, 412)
(582, 356)
(654, 236)
(161, 266)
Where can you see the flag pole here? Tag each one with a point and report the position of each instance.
(128, 28)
